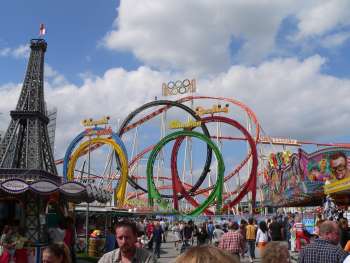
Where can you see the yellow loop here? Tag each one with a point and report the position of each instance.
(120, 192)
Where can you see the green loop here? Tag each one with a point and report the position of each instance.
(153, 193)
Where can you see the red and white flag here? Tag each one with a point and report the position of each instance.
(42, 30)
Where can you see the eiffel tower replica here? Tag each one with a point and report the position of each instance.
(25, 151)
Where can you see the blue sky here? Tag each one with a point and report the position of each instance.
(287, 60)
(337, 57)
(74, 30)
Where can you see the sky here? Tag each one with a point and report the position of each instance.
(286, 59)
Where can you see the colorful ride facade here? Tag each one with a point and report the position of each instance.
(304, 179)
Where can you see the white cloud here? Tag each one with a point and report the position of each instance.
(317, 18)
(115, 94)
(291, 98)
(335, 40)
(87, 75)
(53, 78)
(196, 35)
(9, 94)
(22, 51)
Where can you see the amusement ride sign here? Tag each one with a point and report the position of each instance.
(178, 87)
(91, 132)
(282, 141)
(176, 124)
(91, 122)
(214, 109)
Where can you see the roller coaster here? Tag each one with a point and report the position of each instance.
(173, 179)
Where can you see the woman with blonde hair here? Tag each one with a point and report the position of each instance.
(206, 254)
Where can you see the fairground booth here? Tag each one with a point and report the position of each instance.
(305, 179)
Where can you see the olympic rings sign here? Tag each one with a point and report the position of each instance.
(178, 87)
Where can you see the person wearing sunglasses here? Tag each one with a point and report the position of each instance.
(338, 164)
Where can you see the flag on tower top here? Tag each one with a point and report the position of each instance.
(42, 30)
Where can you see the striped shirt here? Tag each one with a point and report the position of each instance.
(299, 227)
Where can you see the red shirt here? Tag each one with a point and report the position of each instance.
(232, 241)
(149, 230)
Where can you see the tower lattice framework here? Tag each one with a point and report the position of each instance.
(26, 142)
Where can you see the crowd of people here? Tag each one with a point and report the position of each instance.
(203, 242)
(62, 241)
(12, 244)
(274, 239)
(223, 241)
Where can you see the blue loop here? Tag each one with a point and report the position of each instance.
(78, 138)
